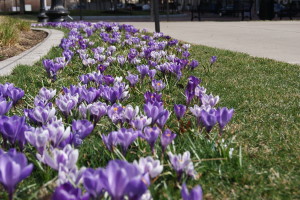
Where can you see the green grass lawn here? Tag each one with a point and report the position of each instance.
(264, 131)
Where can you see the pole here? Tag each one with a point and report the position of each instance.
(80, 9)
(156, 15)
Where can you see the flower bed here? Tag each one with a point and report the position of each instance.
(125, 128)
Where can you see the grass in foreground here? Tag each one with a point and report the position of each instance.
(265, 95)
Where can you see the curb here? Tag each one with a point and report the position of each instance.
(34, 54)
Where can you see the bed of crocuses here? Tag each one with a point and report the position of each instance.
(127, 126)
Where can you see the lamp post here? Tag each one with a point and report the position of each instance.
(42, 17)
(156, 15)
(57, 12)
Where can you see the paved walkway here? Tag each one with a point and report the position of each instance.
(278, 40)
(34, 54)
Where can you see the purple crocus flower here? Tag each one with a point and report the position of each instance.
(97, 111)
(41, 115)
(179, 110)
(4, 88)
(92, 182)
(209, 100)
(213, 59)
(13, 128)
(208, 118)
(140, 122)
(223, 115)
(121, 60)
(13, 169)
(121, 179)
(194, 194)
(4, 106)
(150, 135)
(150, 166)
(57, 132)
(133, 79)
(108, 79)
(66, 157)
(151, 73)
(162, 119)
(67, 191)
(193, 64)
(182, 164)
(158, 85)
(66, 103)
(126, 137)
(153, 110)
(190, 88)
(38, 137)
(115, 113)
(166, 138)
(82, 127)
(101, 68)
(152, 97)
(130, 113)
(15, 94)
(110, 140)
(143, 70)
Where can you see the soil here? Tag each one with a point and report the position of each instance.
(27, 40)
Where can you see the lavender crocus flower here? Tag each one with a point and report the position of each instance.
(162, 119)
(13, 169)
(130, 113)
(67, 191)
(213, 59)
(41, 115)
(151, 134)
(153, 110)
(92, 182)
(193, 64)
(13, 128)
(143, 70)
(66, 103)
(133, 79)
(57, 132)
(97, 110)
(4, 106)
(110, 140)
(223, 115)
(140, 122)
(38, 137)
(121, 60)
(66, 157)
(179, 110)
(15, 94)
(151, 73)
(158, 85)
(126, 137)
(194, 194)
(190, 88)
(115, 113)
(208, 118)
(182, 164)
(209, 100)
(150, 166)
(166, 138)
(82, 128)
(152, 97)
(121, 179)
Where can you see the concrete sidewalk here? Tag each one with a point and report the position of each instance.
(278, 40)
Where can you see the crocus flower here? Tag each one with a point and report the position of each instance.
(140, 122)
(121, 179)
(38, 137)
(153, 110)
(126, 137)
(194, 194)
(166, 138)
(92, 182)
(223, 115)
(162, 119)
(151, 73)
(13, 128)
(110, 140)
(66, 103)
(150, 166)
(41, 115)
(152, 97)
(133, 79)
(179, 110)
(193, 64)
(5, 106)
(68, 192)
(150, 135)
(143, 70)
(213, 59)
(158, 85)
(130, 113)
(15, 94)
(55, 157)
(13, 169)
(82, 127)
(190, 88)
(57, 132)
(121, 60)
(209, 100)
(115, 113)
(97, 111)
(182, 164)
(208, 118)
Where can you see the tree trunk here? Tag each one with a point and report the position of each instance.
(22, 6)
